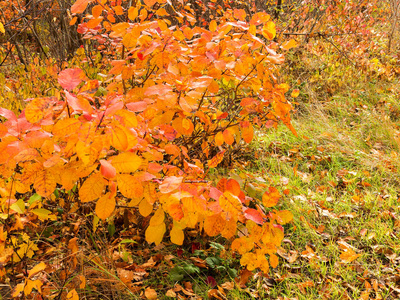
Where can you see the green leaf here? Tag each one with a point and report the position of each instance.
(217, 246)
(177, 274)
(232, 273)
(191, 269)
(34, 198)
(213, 261)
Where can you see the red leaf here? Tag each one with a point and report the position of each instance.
(254, 215)
(8, 114)
(70, 78)
(137, 106)
(211, 281)
(107, 170)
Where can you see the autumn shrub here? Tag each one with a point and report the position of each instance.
(174, 102)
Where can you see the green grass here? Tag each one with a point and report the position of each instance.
(345, 190)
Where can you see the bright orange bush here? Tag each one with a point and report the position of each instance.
(176, 101)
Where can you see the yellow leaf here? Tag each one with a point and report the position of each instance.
(130, 186)
(129, 40)
(92, 188)
(242, 245)
(2, 30)
(249, 260)
(119, 139)
(145, 208)
(271, 197)
(72, 295)
(177, 234)
(127, 162)
(43, 214)
(155, 234)
(295, 93)
(105, 206)
(214, 224)
(284, 216)
(157, 218)
(36, 269)
(269, 30)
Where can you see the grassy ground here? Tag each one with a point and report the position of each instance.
(342, 174)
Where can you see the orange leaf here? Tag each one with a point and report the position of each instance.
(273, 260)
(271, 197)
(228, 136)
(38, 109)
(289, 45)
(213, 26)
(45, 183)
(92, 188)
(219, 139)
(79, 6)
(233, 186)
(247, 131)
(36, 269)
(150, 3)
(284, 216)
(105, 206)
(349, 255)
(214, 162)
(127, 162)
(96, 11)
(269, 30)
(130, 186)
(214, 224)
(72, 295)
(170, 184)
(150, 293)
(230, 203)
(133, 12)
